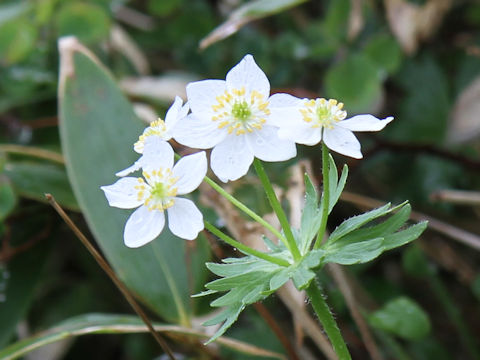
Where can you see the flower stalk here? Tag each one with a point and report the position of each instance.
(290, 242)
(326, 197)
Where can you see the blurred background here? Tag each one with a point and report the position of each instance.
(417, 60)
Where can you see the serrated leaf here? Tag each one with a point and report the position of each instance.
(311, 216)
(355, 222)
(279, 279)
(230, 315)
(356, 253)
(339, 188)
(92, 104)
(402, 317)
(301, 277)
(405, 236)
(385, 228)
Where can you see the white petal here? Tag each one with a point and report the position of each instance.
(365, 122)
(136, 166)
(190, 170)
(342, 141)
(267, 146)
(202, 96)
(157, 153)
(231, 158)
(198, 133)
(301, 133)
(143, 226)
(184, 219)
(247, 74)
(175, 113)
(284, 110)
(123, 194)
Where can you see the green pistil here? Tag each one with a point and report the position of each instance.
(241, 111)
(159, 191)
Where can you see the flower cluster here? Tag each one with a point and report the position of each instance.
(239, 120)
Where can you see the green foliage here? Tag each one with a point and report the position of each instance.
(356, 81)
(384, 51)
(17, 40)
(7, 199)
(402, 317)
(33, 180)
(88, 22)
(424, 110)
(91, 103)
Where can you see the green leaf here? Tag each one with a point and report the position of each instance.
(336, 188)
(98, 128)
(355, 222)
(253, 10)
(355, 82)
(164, 7)
(384, 50)
(386, 227)
(311, 216)
(7, 199)
(17, 40)
(405, 236)
(116, 324)
(427, 103)
(415, 263)
(86, 21)
(33, 180)
(356, 253)
(24, 272)
(402, 317)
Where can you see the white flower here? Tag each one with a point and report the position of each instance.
(157, 192)
(310, 121)
(158, 130)
(232, 116)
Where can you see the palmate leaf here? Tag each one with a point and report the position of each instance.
(249, 279)
(351, 243)
(312, 211)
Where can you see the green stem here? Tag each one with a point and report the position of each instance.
(325, 197)
(244, 208)
(272, 198)
(244, 248)
(328, 322)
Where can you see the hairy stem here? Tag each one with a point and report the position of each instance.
(328, 322)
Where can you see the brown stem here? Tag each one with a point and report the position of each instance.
(108, 270)
(265, 314)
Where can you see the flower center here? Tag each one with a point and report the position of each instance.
(239, 112)
(323, 113)
(156, 128)
(158, 192)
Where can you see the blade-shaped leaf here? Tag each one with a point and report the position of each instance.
(311, 216)
(355, 222)
(115, 324)
(32, 180)
(98, 128)
(405, 236)
(356, 253)
(253, 10)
